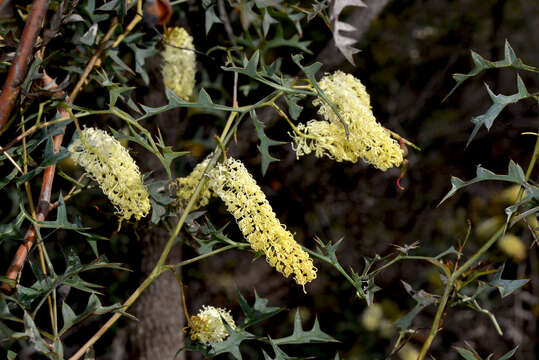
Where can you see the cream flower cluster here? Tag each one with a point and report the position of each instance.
(247, 203)
(207, 326)
(109, 163)
(179, 63)
(185, 187)
(367, 139)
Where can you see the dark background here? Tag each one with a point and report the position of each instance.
(407, 57)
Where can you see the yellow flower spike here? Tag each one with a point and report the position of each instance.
(207, 326)
(110, 164)
(367, 139)
(185, 187)
(247, 203)
(179, 63)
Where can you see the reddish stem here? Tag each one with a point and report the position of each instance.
(43, 206)
(17, 71)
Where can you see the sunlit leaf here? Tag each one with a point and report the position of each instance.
(300, 336)
(499, 102)
(481, 64)
(506, 287)
(515, 174)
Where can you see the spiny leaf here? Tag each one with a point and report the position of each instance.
(422, 298)
(279, 354)
(93, 307)
(342, 42)
(300, 336)
(481, 64)
(265, 143)
(50, 158)
(506, 287)
(278, 40)
(499, 102)
(293, 108)
(140, 60)
(266, 22)
(515, 174)
(258, 312)
(232, 343)
(210, 16)
(61, 221)
(311, 71)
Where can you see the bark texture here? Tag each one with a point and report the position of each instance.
(159, 332)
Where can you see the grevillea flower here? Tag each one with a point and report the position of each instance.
(367, 139)
(109, 163)
(179, 63)
(247, 203)
(207, 326)
(185, 187)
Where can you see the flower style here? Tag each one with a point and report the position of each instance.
(207, 326)
(247, 203)
(185, 187)
(179, 63)
(109, 163)
(367, 139)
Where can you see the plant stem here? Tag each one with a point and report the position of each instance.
(449, 287)
(160, 267)
(437, 318)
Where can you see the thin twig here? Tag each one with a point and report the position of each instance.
(42, 207)
(93, 60)
(17, 70)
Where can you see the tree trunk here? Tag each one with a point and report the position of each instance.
(159, 332)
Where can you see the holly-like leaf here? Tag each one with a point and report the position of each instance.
(210, 16)
(140, 60)
(278, 40)
(499, 102)
(61, 221)
(259, 312)
(300, 336)
(422, 298)
(506, 287)
(265, 143)
(279, 354)
(232, 343)
(293, 108)
(310, 71)
(94, 307)
(50, 158)
(481, 64)
(266, 22)
(342, 42)
(515, 174)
